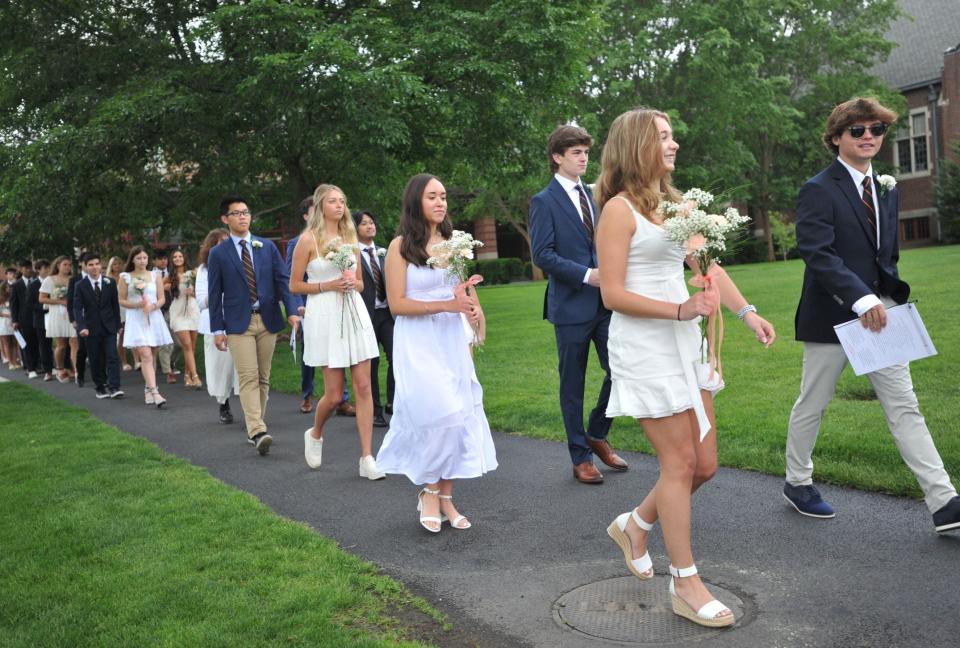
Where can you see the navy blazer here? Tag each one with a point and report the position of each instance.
(98, 319)
(288, 264)
(838, 245)
(229, 298)
(562, 248)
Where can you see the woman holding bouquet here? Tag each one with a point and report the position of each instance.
(654, 348)
(337, 331)
(53, 294)
(141, 295)
(114, 268)
(184, 314)
(439, 431)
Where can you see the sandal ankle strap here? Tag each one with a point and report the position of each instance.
(640, 522)
(683, 572)
(446, 497)
(429, 491)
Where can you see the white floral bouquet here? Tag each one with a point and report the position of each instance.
(454, 255)
(188, 279)
(702, 235)
(60, 292)
(343, 256)
(139, 286)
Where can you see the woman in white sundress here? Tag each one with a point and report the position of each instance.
(654, 349)
(141, 294)
(53, 295)
(336, 328)
(438, 432)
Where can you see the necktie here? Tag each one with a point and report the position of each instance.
(96, 290)
(377, 275)
(248, 271)
(585, 211)
(868, 203)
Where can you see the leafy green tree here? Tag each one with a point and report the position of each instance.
(947, 196)
(784, 234)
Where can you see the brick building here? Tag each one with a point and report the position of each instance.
(925, 68)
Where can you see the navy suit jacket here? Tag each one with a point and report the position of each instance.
(229, 298)
(838, 245)
(98, 319)
(562, 249)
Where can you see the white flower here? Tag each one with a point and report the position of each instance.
(257, 244)
(719, 220)
(466, 253)
(887, 182)
(106, 280)
(381, 252)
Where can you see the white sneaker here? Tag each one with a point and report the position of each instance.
(32, 374)
(312, 449)
(368, 469)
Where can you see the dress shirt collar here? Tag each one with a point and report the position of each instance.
(567, 184)
(94, 282)
(857, 175)
(236, 240)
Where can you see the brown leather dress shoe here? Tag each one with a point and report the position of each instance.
(587, 473)
(346, 409)
(306, 406)
(603, 450)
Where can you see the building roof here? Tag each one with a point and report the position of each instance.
(932, 28)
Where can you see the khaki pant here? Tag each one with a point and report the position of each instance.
(252, 353)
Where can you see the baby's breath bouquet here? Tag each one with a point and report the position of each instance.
(454, 255)
(702, 235)
(188, 279)
(139, 286)
(60, 292)
(343, 256)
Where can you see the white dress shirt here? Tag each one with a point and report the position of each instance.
(570, 187)
(869, 300)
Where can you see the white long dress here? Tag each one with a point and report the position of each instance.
(218, 366)
(337, 331)
(56, 321)
(655, 364)
(438, 430)
(140, 328)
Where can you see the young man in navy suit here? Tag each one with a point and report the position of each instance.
(96, 310)
(562, 222)
(847, 226)
(247, 283)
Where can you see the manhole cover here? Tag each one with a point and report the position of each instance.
(629, 610)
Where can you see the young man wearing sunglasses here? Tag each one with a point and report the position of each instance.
(847, 235)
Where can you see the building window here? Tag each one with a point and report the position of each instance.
(915, 229)
(912, 144)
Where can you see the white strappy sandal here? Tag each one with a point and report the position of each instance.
(455, 522)
(705, 616)
(641, 567)
(424, 519)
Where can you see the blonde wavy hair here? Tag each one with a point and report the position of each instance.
(633, 159)
(345, 228)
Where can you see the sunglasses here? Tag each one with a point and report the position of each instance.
(856, 132)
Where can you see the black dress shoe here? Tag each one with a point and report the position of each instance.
(379, 421)
(948, 517)
(225, 416)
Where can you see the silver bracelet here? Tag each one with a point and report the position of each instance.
(749, 308)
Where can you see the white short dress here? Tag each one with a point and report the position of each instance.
(337, 331)
(655, 364)
(56, 320)
(140, 328)
(6, 322)
(438, 429)
(184, 313)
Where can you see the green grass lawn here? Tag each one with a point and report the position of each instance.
(518, 370)
(109, 541)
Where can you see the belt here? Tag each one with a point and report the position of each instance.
(255, 311)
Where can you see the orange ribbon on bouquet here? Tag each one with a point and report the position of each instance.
(714, 321)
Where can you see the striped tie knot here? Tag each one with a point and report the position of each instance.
(248, 271)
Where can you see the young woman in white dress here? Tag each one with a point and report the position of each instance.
(141, 294)
(438, 431)
(336, 328)
(655, 349)
(184, 315)
(53, 294)
(114, 268)
(7, 341)
(218, 365)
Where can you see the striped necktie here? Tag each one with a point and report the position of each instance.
(585, 212)
(248, 270)
(868, 203)
(377, 275)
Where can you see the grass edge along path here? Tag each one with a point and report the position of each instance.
(107, 540)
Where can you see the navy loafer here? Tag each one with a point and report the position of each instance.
(948, 518)
(807, 501)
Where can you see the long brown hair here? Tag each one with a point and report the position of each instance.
(632, 159)
(212, 238)
(173, 274)
(413, 227)
(56, 265)
(134, 251)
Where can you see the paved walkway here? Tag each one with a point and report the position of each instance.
(877, 575)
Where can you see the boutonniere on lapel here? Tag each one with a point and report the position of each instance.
(381, 252)
(886, 182)
(256, 244)
(106, 280)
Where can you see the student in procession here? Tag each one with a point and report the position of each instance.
(114, 268)
(8, 344)
(337, 332)
(141, 293)
(161, 262)
(218, 366)
(44, 343)
(96, 307)
(78, 358)
(53, 294)
(23, 318)
(847, 224)
(247, 282)
(183, 314)
(438, 432)
(374, 296)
